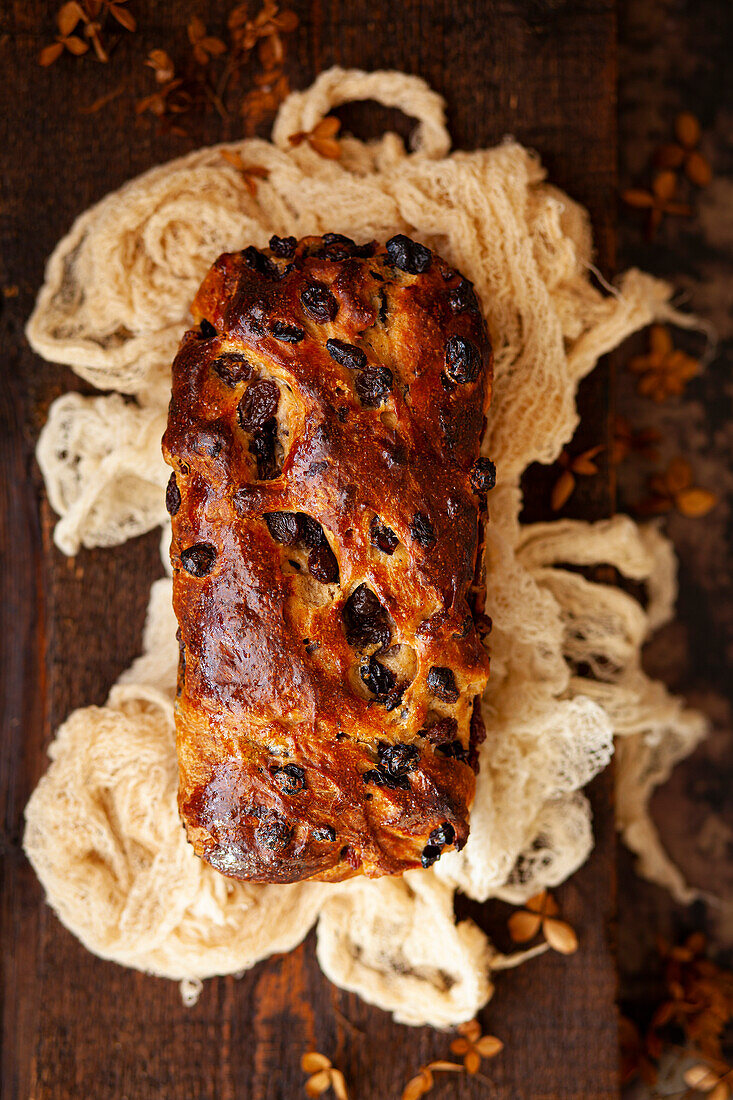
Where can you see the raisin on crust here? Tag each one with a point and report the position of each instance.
(326, 504)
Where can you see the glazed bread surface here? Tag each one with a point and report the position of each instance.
(327, 501)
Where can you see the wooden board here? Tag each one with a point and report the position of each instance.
(73, 1025)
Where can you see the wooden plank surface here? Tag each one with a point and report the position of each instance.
(74, 1026)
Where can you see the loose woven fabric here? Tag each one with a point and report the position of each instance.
(102, 829)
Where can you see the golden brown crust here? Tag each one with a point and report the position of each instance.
(324, 553)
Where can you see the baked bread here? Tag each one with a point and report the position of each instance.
(327, 502)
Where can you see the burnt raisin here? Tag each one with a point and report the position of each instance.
(198, 560)
(283, 247)
(383, 778)
(207, 329)
(379, 679)
(383, 537)
(346, 355)
(462, 360)
(324, 832)
(259, 262)
(290, 778)
(421, 529)
(462, 297)
(283, 526)
(430, 855)
(262, 447)
(318, 301)
(232, 368)
(310, 531)
(454, 749)
(338, 247)
(322, 564)
(442, 731)
(373, 385)
(408, 255)
(288, 334)
(397, 759)
(258, 405)
(444, 834)
(442, 683)
(365, 619)
(172, 496)
(483, 475)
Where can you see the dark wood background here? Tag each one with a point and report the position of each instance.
(73, 1025)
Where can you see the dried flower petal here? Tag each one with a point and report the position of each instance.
(76, 45)
(471, 1029)
(721, 1091)
(314, 1061)
(125, 18)
(472, 1062)
(489, 1046)
(698, 170)
(51, 53)
(67, 17)
(338, 1084)
(700, 1077)
(318, 1083)
(418, 1086)
(560, 936)
(695, 502)
(562, 491)
(524, 926)
(687, 130)
(635, 197)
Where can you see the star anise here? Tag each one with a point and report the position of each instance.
(540, 913)
(628, 440)
(250, 173)
(322, 138)
(323, 1076)
(423, 1081)
(665, 370)
(674, 488)
(684, 153)
(573, 466)
(474, 1046)
(658, 202)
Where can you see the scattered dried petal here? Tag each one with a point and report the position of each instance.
(687, 130)
(313, 1061)
(125, 18)
(695, 502)
(560, 936)
(562, 491)
(51, 53)
(524, 926)
(67, 18)
(700, 1077)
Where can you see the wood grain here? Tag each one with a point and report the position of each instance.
(73, 1025)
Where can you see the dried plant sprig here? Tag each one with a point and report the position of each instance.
(663, 370)
(322, 138)
(473, 1046)
(703, 1079)
(659, 201)
(205, 46)
(541, 914)
(323, 1076)
(683, 153)
(424, 1080)
(574, 466)
(250, 173)
(628, 440)
(92, 14)
(674, 488)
